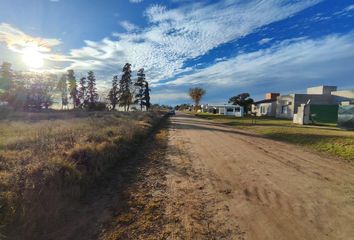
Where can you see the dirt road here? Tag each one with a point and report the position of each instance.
(224, 183)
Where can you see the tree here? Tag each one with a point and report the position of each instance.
(63, 88)
(81, 95)
(113, 95)
(147, 96)
(6, 76)
(196, 94)
(125, 83)
(140, 84)
(31, 91)
(16, 96)
(73, 87)
(243, 100)
(92, 95)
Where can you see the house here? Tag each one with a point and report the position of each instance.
(224, 109)
(266, 107)
(287, 105)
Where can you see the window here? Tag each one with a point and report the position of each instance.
(237, 109)
(229, 110)
(263, 109)
(284, 109)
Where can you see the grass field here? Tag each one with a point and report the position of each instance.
(325, 139)
(49, 160)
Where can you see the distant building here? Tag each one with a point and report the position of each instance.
(287, 105)
(266, 107)
(223, 109)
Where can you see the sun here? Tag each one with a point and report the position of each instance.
(32, 57)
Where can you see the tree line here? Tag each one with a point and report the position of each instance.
(35, 91)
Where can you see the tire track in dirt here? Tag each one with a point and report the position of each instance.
(194, 210)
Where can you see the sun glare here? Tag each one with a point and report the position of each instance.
(32, 57)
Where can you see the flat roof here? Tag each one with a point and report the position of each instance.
(221, 105)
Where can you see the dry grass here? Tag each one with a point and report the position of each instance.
(48, 160)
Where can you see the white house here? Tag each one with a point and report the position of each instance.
(224, 109)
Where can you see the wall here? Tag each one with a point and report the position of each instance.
(324, 113)
(271, 95)
(345, 95)
(285, 100)
(270, 109)
(315, 99)
(321, 90)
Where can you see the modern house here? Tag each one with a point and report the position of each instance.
(287, 105)
(266, 107)
(224, 109)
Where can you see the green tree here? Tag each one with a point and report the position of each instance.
(16, 96)
(140, 84)
(82, 91)
(196, 94)
(73, 87)
(125, 84)
(63, 89)
(242, 99)
(92, 95)
(113, 95)
(6, 76)
(147, 96)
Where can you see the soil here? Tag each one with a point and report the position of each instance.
(200, 180)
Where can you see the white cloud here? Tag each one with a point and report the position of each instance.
(136, 1)
(165, 96)
(128, 26)
(265, 41)
(16, 40)
(349, 8)
(298, 63)
(176, 35)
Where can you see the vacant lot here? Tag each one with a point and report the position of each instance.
(49, 160)
(329, 140)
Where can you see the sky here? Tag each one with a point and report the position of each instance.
(227, 47)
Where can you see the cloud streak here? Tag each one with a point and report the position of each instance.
(174, 36)
(16, 40)
(299, 63)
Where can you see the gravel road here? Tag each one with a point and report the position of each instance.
(225, 183)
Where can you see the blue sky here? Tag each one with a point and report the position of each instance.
(227, 47)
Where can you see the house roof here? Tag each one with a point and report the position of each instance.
(220, 105)
(265, 101)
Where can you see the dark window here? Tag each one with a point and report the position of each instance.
(237, 109)
(229, 110)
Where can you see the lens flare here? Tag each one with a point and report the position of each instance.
(32, 57)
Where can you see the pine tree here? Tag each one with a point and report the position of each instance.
(63, 88)
(91, 95)
(73, 87)
(125, 83)
(140, 83)
(113, 94)
(147, 96)
(82, 92)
